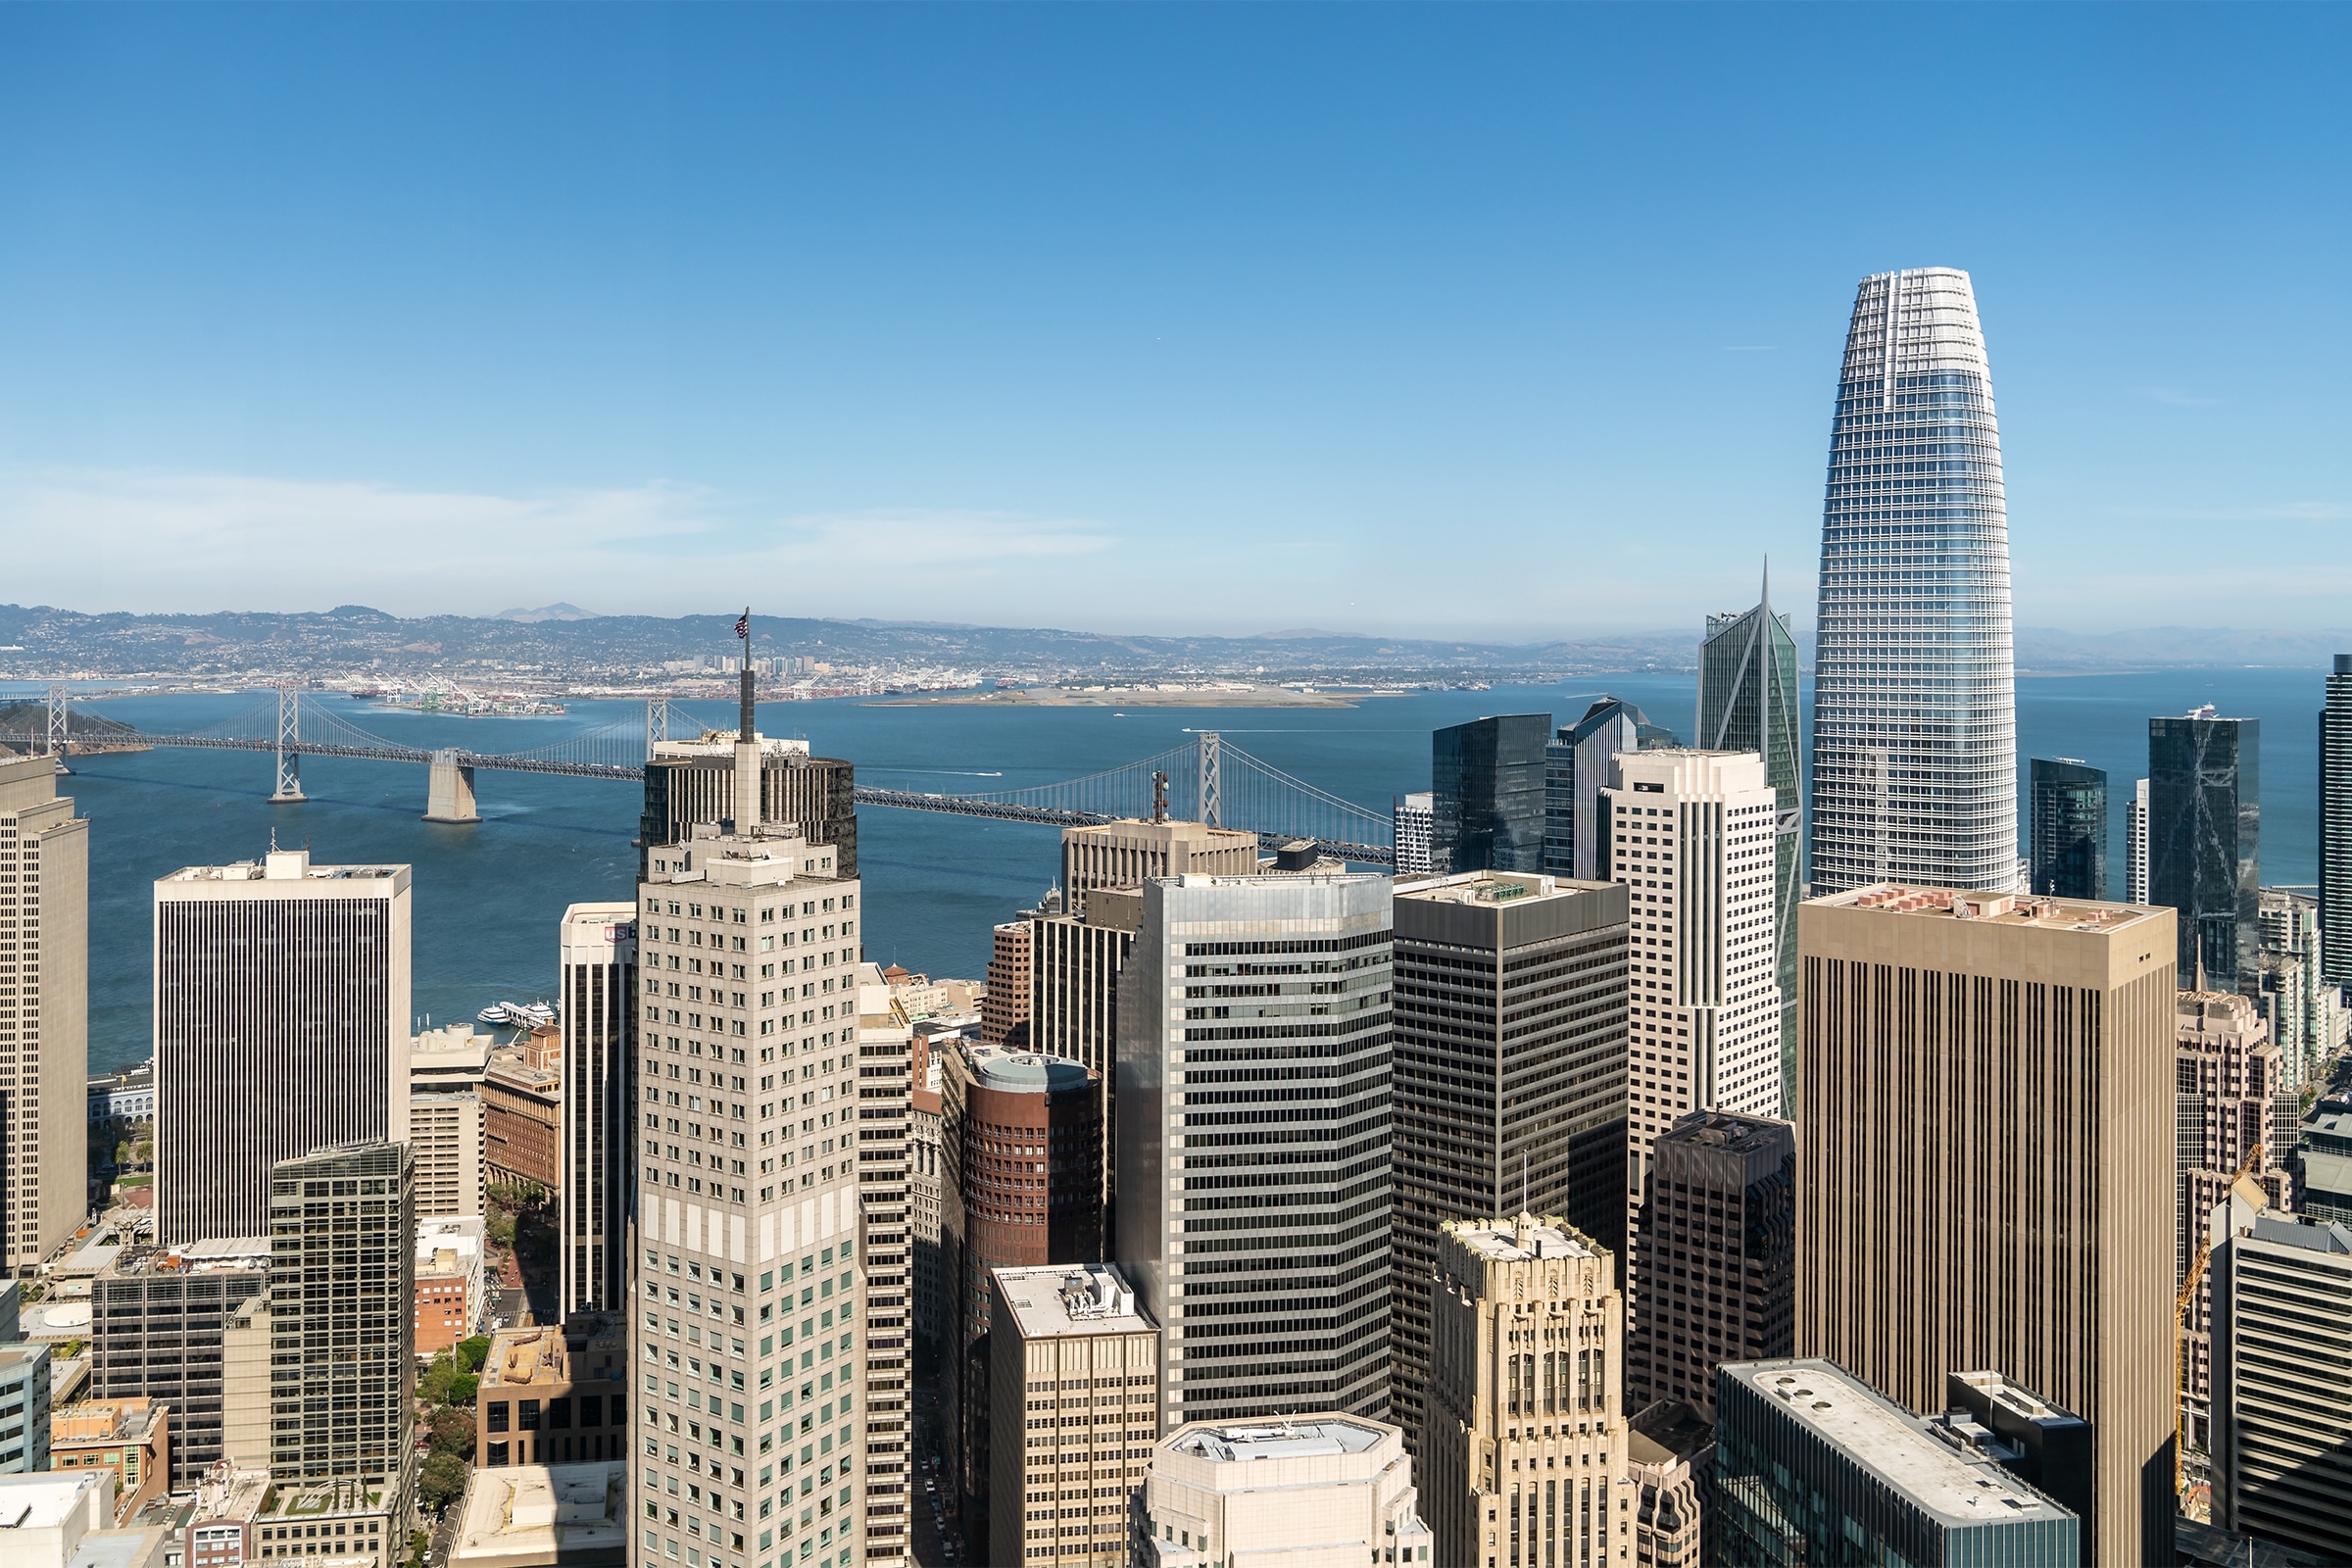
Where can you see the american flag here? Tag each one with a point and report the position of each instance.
(743, 624)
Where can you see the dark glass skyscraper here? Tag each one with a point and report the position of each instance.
(1914, 693)
(1487, 777)
(1576, 766)
(1747, 703)
(2335, 826)
(2204, 840)
(2070, 828)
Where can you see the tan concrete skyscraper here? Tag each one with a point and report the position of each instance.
(44, 1012)
(1984, 1165)
(1526, 1409)
(748, 1204)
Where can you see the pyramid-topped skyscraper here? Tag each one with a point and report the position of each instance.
(1914, 692)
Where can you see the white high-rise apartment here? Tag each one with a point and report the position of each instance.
(281, 1026)
(746, 1319)
(2136, 846)
(1263, 1254)
(1914, 691)
(596, 952)
(1691, 839)
(1415, 815)
(44, 1013)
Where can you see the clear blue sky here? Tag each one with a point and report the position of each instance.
(1508, 321)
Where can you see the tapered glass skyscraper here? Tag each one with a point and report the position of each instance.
(1914, 694)
(1747, 703)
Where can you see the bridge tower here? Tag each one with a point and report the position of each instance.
(656, 723)
(1211, 776)
(60, 738)
(449, 796)
(289, 733)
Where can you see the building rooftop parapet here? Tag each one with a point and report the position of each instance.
(1523, 1241)
(244, 1253)
(103, 1421)
(1027, 1072)
(1059, 1299)
(1999, 908)
(286, 866)
(1492, 886)
(1308, 1437)
(1937, 1475)
(529, 1515)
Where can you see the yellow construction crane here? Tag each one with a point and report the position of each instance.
(2186, 1295)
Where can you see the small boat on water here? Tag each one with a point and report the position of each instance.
(518, 1014)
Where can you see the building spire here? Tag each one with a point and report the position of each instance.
(747, 741)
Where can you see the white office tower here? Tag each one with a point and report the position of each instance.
(1914, 693)
(281, 1026)
(1254, 1088)
(884, 1094)
(1416, 816)
(44, 1013)
(1691, 839)
(746, 1339)
(597, 951)
(2136, 846)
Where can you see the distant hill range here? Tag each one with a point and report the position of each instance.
(564, 639)
(2048, 651)
(565, 642)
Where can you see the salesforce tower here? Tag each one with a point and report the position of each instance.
(1914, 695)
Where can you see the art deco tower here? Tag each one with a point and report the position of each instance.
(1914, 697)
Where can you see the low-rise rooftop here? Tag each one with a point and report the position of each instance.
(1071, 1299)
(1873, 1432)
(530, 1516)
(1489, 887)
(1316, 1437)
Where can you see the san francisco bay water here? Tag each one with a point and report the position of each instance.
(487, 897)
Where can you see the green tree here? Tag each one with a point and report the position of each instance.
(499, 1226)
(144, 1148)
(453, 1430)
(443, 1384)
(443, 1481)
(472, 1352)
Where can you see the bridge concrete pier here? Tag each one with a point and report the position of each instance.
(449, 796)
(289, 780)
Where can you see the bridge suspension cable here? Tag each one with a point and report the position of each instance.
(1206, 779)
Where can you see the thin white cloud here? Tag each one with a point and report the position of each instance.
(161, 543)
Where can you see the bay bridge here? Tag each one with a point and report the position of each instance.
(1202, 780)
